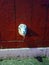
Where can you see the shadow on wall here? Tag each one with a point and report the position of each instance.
(31, 33)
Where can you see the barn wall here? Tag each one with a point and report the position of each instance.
(33, 13)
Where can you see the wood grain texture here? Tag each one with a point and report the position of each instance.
(33, 13)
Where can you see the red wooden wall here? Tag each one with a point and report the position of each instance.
(33, 13)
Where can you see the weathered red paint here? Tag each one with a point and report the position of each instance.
(30, 12)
